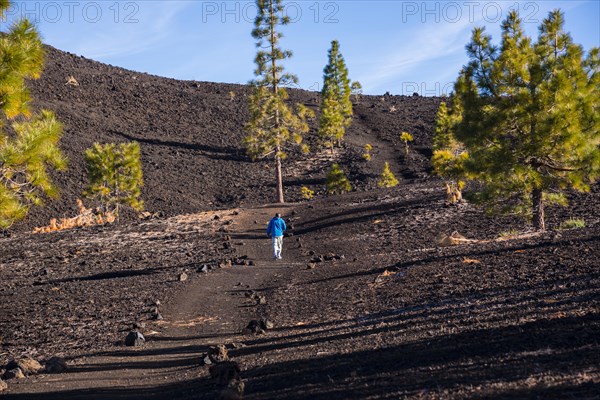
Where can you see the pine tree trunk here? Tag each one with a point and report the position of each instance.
(280, 198)
(279, 177)
(538, 210)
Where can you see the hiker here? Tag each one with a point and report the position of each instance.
(275, 231)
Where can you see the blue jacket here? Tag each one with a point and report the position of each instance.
(276, 227)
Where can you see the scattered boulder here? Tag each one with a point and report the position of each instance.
(27, 366)
(3, 385)
(225, 264)
(206, 360)
(311, 266)
(157, 317)
(183, 277)
(135, 339)
(225, 372)
(215, 355)
(317, 259)
(234, 391)
(56, 365)
(204, 269)
(257, 327)
(253, 328)
(218, 354)
(259, 299)
(268, 324)
(14, 373)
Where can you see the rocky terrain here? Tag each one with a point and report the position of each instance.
(190, 135)
(365, 304)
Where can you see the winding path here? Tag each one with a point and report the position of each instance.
(212, 309)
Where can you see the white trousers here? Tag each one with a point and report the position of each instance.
(277, 245)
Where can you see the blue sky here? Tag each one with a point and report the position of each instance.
(396, 46)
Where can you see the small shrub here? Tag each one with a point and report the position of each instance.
(454, 191)
(367, 154)
(307, 193)
(509, 233)
(387, 178)
(337, 182)
(406, 137)
(356, 90)
(572, 223)
(115, 174)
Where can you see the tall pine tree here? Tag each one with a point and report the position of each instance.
(28, 142)
(272, 124)
(336, 107)
(529, 116)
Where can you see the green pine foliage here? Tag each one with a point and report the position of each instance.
(336, 107)
(367, 156)
(528, 114)
(356, 90)
(28, 141)
(273, 126)
(387, 179)
(307, 193)
(406, 138)
(449, 155)
(115, 175)
(572, 223)
(337, 182)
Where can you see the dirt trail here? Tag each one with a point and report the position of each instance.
(211, 309)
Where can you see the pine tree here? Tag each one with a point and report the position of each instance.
(356, 90)
(28, 141)
(530, 116)
(449, 156)
(337, 182)
(387, 179)
(336, 107)
(406, 137)
(272, 124)
(115, 175)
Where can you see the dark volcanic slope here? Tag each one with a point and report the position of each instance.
(190, 133)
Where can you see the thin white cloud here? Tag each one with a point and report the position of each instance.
(157, 24)
(430, 43)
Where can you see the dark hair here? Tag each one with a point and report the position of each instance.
(278, 215)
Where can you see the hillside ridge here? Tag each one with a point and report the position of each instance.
(190, 135)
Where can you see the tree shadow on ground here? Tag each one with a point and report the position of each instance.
(212, 152)
(447, 362)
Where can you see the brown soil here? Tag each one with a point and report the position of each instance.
(386, 314)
